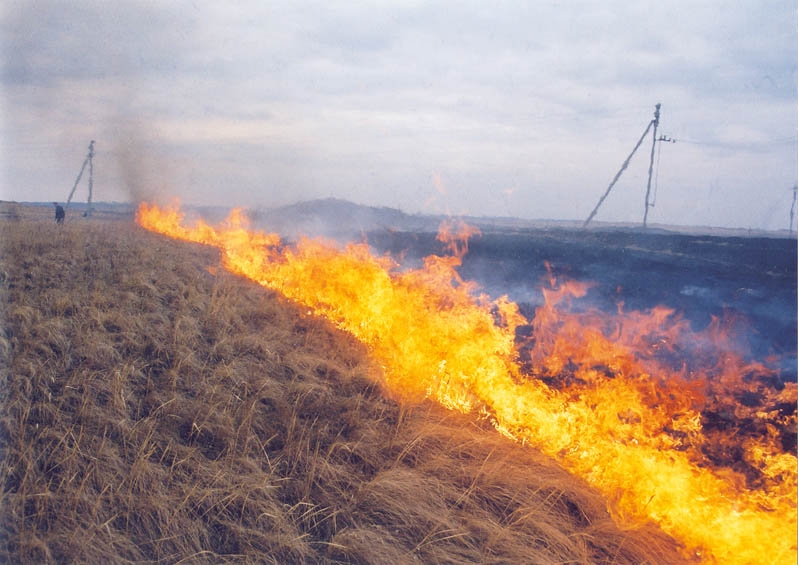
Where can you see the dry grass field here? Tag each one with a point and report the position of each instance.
(155, 409)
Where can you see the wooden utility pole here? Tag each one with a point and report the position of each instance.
(86, 161)
(651, 163)
(654, 123)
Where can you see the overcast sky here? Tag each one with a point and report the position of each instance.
(513, 108)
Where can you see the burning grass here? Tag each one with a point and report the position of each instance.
(154, 409)
(626, 422)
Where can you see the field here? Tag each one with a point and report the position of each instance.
(156, 409)
(699, 276)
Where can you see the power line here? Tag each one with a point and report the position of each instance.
(738, 144)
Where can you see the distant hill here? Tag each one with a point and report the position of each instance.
(338, 219)
(344, 220)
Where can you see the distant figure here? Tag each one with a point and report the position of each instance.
(59, 213)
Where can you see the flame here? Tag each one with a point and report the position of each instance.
(637, 404)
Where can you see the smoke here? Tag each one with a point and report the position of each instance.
(700, 278)
(143, 174)
(83, 71)
(342, 221)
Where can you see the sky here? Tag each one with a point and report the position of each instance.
(524, 109)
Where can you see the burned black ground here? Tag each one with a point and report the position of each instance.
(699, 276)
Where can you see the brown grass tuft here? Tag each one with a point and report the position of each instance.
(151, 411)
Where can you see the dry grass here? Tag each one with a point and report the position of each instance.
(153, 410)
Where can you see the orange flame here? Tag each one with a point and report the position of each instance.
(616, 400)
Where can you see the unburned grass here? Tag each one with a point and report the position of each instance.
(156, 409)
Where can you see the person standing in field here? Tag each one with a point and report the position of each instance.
(59, 213)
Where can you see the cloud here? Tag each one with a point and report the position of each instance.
(56, 40)
(266, 102)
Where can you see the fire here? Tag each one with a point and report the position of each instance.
(636, 404)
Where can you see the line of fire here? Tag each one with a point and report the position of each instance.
(670, 424)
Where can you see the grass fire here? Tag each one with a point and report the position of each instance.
(250, 399)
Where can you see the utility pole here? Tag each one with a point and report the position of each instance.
(651, 163)
(626, 164)
(86, 161)
(91, 176)
(792, 208)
